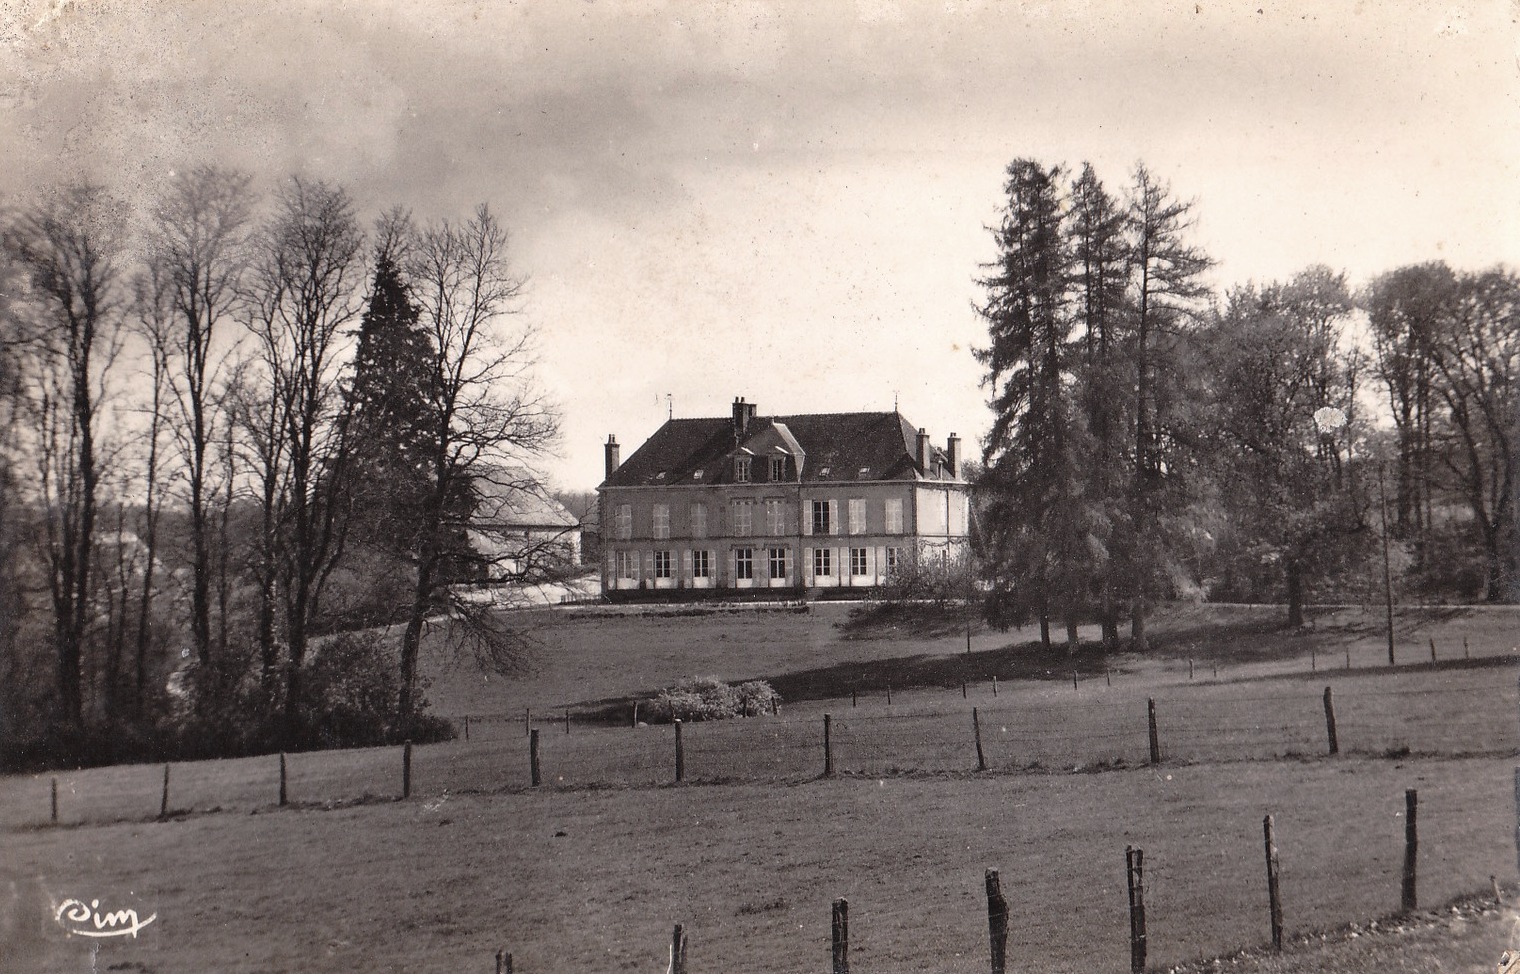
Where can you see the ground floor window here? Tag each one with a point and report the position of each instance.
(823, 561)
(744, 563)
(701, 564)
(778, 562)
(894, 558)
(857, 561)
(662, 564)
(627, 564)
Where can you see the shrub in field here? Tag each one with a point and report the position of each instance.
(707, 698)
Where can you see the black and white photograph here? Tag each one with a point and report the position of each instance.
(759, 486)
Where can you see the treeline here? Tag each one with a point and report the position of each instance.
(1155, 439)
(234, 426)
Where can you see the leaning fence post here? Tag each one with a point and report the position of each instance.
(678, 950)
(1150, 716)
(467, 727)
(828, 746)
(533, 769)
(635, 721)
(283, 798)
(976, 727)
(1274, 900)
(503, 962)
(55, 797)
(841, 936)
(680, 757)
(1411, 848)
(994, 685)
(406, 770)
(1432, 649)
(163, 806)
(527, 719)
(1135, 867)
(567, 721)
(1335, 747)
(997, 922)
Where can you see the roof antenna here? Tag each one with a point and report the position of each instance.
(670, 407)
(894, 400)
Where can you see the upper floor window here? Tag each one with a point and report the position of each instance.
(857, 515)
(778, 468)
(662, 521)
(825, 517)
(623, 521)
(741, 470)
(699, 520)
(775, 516)
(743, 516)
(894, 515)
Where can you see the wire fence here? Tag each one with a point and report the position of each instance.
(956, 731)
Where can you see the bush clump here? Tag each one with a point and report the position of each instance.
(707, 698)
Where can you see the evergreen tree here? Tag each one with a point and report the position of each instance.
(1039, 537)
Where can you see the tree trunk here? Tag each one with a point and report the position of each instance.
(1071, 632)
(1295, 578)
(1137, 640)
(1044, 630)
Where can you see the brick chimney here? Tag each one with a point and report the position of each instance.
(924, 451)
(614, 454)
(953, 454)
(743, 413)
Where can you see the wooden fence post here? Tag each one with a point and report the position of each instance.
(635, 721)
(775, 706)
(283, 794)
(1517, 817)
(828, 746)
(55, 798)
(567, 721)
(1190, 668)
(503, 962)
(678, 950)
(976, 727)
(997, 922)
(1135, 867)
(1150, 716)
(1465, 653)
(1106, 678)
(1411, 848)
(854, 700)
(163, 806)
(527, 720)
(1274, 899)
(994, 685)
(841, 936)
(467, 727)
(533, 768)
(963, 689)
(1313, 660)
(1348, 657)
(680, 753)
(1432, 649)
(406, 770)
(1335, 747)
(889, 694)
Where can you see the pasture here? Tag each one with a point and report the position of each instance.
(589, 871)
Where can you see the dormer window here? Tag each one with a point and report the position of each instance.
(778, 469)
(863, 473)
(696, 475)
(741, 470)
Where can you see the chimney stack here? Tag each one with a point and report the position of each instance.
(924, 451)
(614, 454)
(743, 413)
(953, 454)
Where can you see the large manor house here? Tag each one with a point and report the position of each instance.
(812, 501)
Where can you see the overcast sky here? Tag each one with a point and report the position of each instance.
(788, 201)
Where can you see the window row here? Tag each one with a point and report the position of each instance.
(775, 518)
(774, 562)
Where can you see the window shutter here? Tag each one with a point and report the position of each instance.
(805, 512)
(733, 566)
(649, 564)
(833, 517)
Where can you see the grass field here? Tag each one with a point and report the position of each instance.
(589, 873)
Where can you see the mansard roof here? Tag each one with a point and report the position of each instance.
(825, 447)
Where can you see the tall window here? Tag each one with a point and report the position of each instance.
(627, 564)
(775, 516)
(857, 515)
(744, 563)
(701, 564)
(778, 562)
(894, 558)
(743, 518)
(662, 523)
(823, 561)
(662, 564)
(857, 561)
(824, 516)
(894, 515)
(778, 469)
(699, 520)
(623, 522)
(741, 470)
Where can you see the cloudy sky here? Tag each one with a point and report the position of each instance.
(788, 201)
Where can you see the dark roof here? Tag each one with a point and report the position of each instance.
(836, 447)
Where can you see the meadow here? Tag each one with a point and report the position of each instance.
(589, 871)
